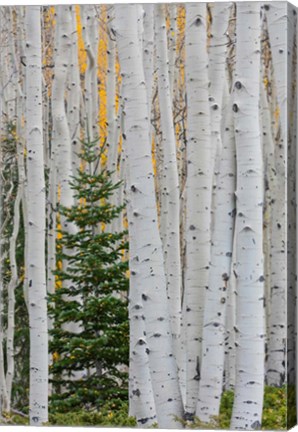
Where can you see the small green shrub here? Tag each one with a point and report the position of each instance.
(113, 413)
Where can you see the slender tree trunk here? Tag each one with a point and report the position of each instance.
(10, 361)
(277, 27)
(90, 34)
(198, 194)
(214, 332)
(36, 218)
(249, 388)
(74, 96)
(170, 211)
(143, 222)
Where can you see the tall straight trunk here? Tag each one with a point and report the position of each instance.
(212, 367)
(249, 388)
(277, 28)
(90, 34)
(36, 217)
(148, 48)
(217, 73)
(143, 221)
(62, 152)
(170, 210)
(291, 195)
(198, 194)
(172, 45)
(74, 96)
(141, 398)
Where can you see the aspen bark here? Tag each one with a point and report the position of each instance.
(277, 27)
(170, 211)
(214, 332)
(36, 219)
(143, 222)
(198, 194)
(249, 387)
(90, 34)
(74, 96)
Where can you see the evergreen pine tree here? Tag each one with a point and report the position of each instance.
(93, 293)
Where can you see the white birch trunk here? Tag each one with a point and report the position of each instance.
(141, 398)
(36, 218)
(148, 48)
(276, 15)
(62, 152)
(143, 222)
(74, 96)
(170, 211)
(172, 45)
(198, 194)
(10, 361)
(249, 388)
(214, 332)
(90, 34)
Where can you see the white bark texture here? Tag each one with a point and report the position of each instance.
(141, 398)
(143, 222)
(36, 218)
(249, 388)
(170, 211)
(198, 194)
(62, 152)
(91, 35)
(276, 15)
(148, 48)
(74, 96)
(212, 367)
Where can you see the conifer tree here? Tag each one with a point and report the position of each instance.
(95, 296)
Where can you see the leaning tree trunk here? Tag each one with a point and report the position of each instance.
(36, 218)
(143, 221)
(249, 388)
(198, 194)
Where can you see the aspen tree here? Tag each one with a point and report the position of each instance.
(291, 195)
(212, 366)
(148, 48)
(112, 118)
(170, 210)
(10, 348)
(36, 219)
(143, 222)
(172, 44)
(222, 229)
(276, 15)
(91, 35)
(249, 387)
(141, 398)
(198, 194)
(74, 96)
(62, 151)
(10, 361)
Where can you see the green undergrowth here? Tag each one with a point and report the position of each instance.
(115, 413)
(274, 411)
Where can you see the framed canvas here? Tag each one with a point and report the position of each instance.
(148, 215)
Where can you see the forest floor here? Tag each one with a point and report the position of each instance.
(278, 412)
